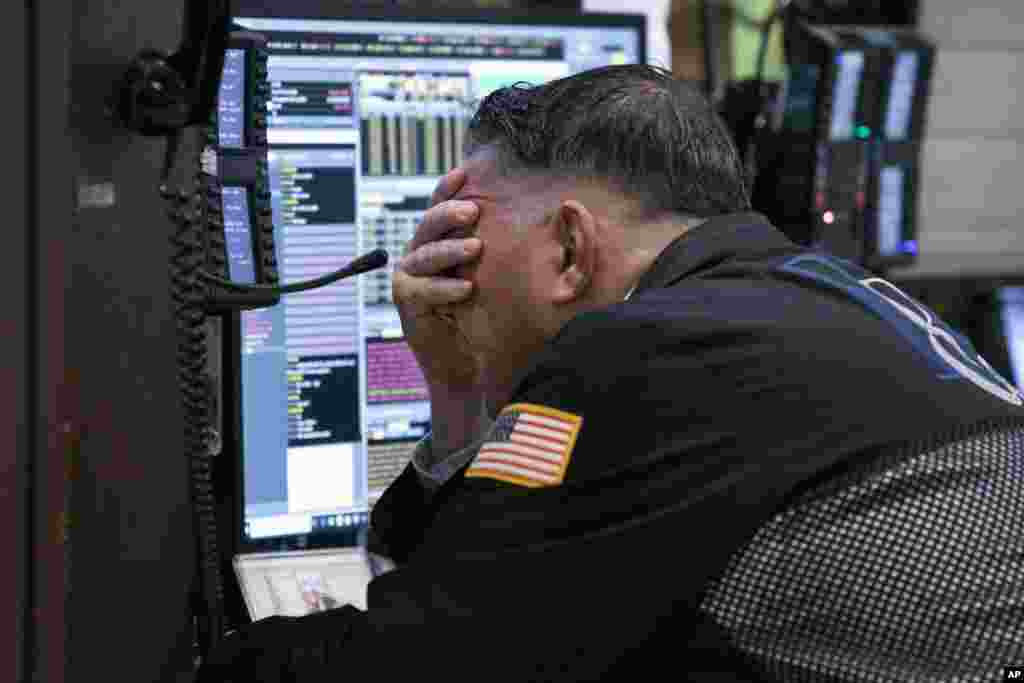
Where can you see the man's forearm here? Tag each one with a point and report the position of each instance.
(456, 420)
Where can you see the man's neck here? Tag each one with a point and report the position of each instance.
(642, 245)
(636, 256)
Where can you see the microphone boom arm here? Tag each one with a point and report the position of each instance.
(373, 260)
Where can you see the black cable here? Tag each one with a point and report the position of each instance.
(367, 262)
(750, 153)
(711, 41)
(188, 298)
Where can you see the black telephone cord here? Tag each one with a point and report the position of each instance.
(188, 296)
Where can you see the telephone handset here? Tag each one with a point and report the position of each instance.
(224, 257)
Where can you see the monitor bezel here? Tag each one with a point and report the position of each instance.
(316, 10)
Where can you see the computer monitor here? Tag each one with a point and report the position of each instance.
(995, 324)
(1011, 317)
(367, 112)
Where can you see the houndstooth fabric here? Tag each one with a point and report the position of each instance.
(913, 572)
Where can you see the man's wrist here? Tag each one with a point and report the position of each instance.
(457, 419)
(435, 469)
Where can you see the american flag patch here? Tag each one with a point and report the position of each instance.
(530, 445)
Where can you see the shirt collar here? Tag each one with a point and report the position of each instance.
(717, 239)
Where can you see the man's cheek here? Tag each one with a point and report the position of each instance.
(478, 325)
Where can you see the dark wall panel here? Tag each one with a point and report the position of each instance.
(14, 333)
(132, 538)
(53, 422)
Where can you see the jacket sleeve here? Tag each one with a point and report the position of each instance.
(400, 517)
(406, 509)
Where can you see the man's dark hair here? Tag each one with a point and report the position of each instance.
(652, 137)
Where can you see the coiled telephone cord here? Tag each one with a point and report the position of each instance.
(188, 295)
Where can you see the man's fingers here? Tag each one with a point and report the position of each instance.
(429, 292)
(436, 257)
(448, 185)
(444, 218)
(445, 214)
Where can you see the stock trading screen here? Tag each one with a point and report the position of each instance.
(300, 103)
(304, 459)
(389, 221)
(412, 124)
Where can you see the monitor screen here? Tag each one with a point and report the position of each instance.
(891, 210)
(901, 96)
(1011, 300)
(365, 116)
(231, 101)
(850, 71)
(238, 235)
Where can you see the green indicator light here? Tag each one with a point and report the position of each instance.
(863, 132)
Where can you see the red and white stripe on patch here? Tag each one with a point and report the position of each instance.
(529, 445)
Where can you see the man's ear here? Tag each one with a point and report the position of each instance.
(576, 231)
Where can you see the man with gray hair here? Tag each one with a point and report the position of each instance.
(666, 437)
